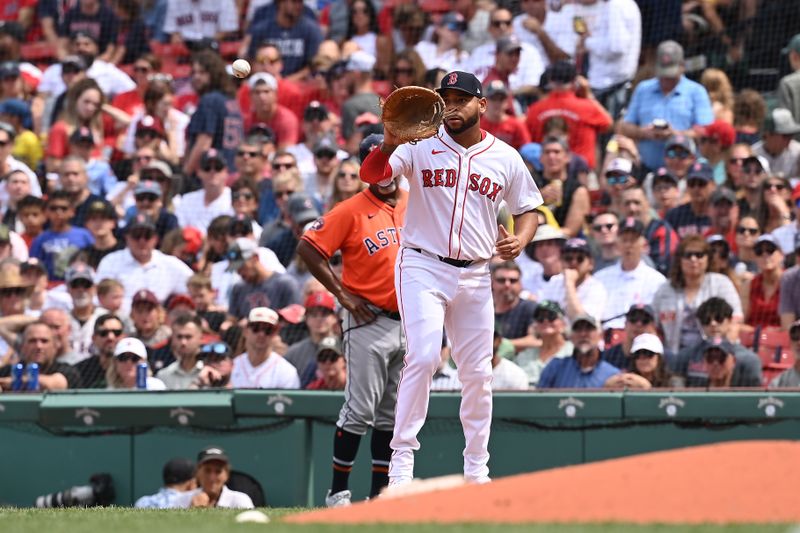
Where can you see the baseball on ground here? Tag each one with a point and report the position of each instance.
(241, 68)
(252, 516)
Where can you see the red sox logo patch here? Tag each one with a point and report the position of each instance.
(452, 79)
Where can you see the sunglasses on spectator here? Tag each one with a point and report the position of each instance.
(707, 320)
(503, 281)
(500, 23)
(571, 257)
(715, 356)
(545, 316)
(673, 153)
(141, 69)
(248, 153)
(617, 179)
(128, 358)
(738, 161)
(214, 166)
(741, 230)
(639, 318)
(694, 255)
(765, 249)
(146, 197)
(644, 353)
(281, 194)
(282, 166)
(12, 291)
(108, 331)
(80, 284)
(243, 196)
(775, 186)
(216, 351)
(404, 71)
(696, 183)
(259, 327)
(607, 227)
(141, 234)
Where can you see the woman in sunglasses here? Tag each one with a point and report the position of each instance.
(719, 259)
(690, 284)
(760, 297)
(346, 183)
(747, 232)
(408, 69)
(734, 166)
(774, 209)
(122, 372)
(649, 368)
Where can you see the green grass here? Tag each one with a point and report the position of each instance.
(124, 520)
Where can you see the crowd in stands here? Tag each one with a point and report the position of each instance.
(151, 203)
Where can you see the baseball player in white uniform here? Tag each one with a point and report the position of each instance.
(457, 181)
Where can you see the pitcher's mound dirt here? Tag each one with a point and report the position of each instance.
(740, 482)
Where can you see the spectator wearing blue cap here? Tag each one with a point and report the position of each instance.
(691, 218)
(27, 145)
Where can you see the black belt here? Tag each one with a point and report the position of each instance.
(460, 263)
(393, 315)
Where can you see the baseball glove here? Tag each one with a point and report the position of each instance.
(413, 113)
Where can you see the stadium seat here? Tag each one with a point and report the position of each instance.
(747, 338)
(769, 373)
(171, 51)
(774, 348)
(229, 49)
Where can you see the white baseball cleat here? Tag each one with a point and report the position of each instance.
(400, 480)
(482, 480)
(340, 499)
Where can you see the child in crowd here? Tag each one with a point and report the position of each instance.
(56, 245)
(30, 211)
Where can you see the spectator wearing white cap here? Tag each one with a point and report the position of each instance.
(264, 108)
(541, 260)
(649, 366)
(363, 98)
(260, 367)
(128, 355)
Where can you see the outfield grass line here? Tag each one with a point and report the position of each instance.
(128, 520)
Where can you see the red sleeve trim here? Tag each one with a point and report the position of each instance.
(375, 167)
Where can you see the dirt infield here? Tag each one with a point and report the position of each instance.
(740, 482)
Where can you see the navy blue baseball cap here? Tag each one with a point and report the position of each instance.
(369, 143)
(18, 108)
(700, 170)
(461, 81)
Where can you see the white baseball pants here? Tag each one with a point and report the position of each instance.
(432, 294)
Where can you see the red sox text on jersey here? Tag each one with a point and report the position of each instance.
(447, 177)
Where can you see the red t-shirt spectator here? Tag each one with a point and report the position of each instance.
(290, 95)
(284, 124)
(131, 102)
(584, 117)
(510, 130)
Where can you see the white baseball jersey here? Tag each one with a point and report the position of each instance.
(455, 193)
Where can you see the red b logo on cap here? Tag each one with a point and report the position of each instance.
(452, 79)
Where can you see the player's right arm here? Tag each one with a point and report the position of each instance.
(320, 268)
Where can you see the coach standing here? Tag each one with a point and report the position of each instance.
(366, 228)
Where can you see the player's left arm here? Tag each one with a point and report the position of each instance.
(510, 245)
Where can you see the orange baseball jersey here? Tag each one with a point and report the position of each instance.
(367, 231)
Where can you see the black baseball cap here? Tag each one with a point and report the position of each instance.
(368, 144)
(82, 135)
(212, 453)
(461, 81)
(633, 225)
(178, 470)
(642, 308)
(562, 72)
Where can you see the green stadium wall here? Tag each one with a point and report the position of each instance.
(50, 442)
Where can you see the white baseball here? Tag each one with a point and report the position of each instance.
(252, 515)
(241, 68)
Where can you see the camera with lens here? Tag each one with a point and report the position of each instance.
(99, 492)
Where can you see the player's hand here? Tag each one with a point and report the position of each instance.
(508, 245)
(389, 139)
(357, 307)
